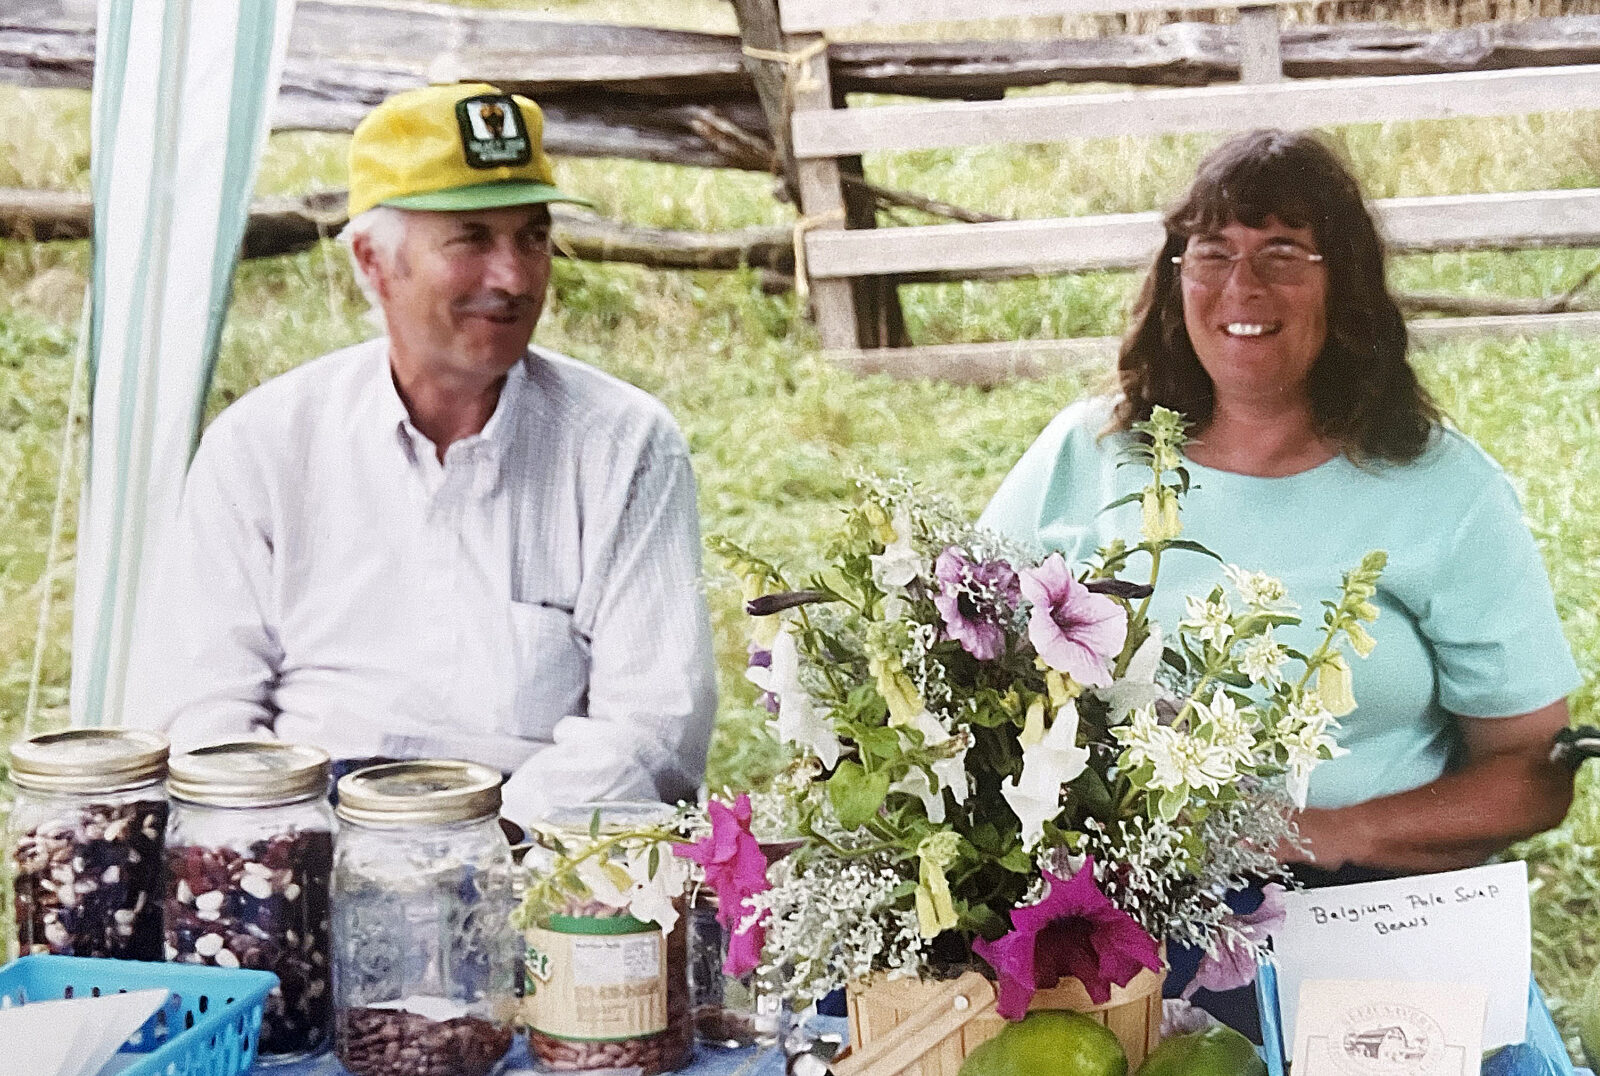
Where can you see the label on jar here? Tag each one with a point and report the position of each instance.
(596, 986)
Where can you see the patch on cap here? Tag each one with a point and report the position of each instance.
(492, 131)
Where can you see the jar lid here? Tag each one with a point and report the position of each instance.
(249, 773)
(616, 816)
(425, 792)
(89, 760)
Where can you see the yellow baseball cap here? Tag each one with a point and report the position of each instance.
(462, 146)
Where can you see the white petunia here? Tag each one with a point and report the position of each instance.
(651, 899)
(798, 720)
(899, 563)
(949, 772)
(1260, 591)
(916, 783)
(1047, 767)
(1138, 687)
(1209, 620)
(1262, 658)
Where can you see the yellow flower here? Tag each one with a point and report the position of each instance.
(1361, 641)
(897, 690)
(1333, 686)
(1062, 687)
(935, 911)
(1033, 726)
(1161, 523)
(878, 519)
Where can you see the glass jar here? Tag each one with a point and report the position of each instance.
(85, 835)
(604, 989)
(730, 1012)
(425, 958)
(249, 860)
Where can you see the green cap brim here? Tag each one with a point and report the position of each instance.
(487, 196)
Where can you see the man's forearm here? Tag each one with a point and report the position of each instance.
(1456, 821)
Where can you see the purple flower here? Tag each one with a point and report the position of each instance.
(736, 868)
(1076, 631)
(974, 598)
(1234, 965)
(1074, 931)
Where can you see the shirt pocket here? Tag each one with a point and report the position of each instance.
(550, 670)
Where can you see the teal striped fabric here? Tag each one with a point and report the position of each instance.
(182, 100)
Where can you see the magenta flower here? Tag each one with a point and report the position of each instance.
(1075, 630)
(1074, 931)
(736, 869)
(974, 598)
(1234, 965)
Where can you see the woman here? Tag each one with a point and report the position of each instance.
(1266, 321)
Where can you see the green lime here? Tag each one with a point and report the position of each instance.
(1049, 1042)
(1216, 1051)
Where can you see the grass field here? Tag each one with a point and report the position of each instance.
(775, 430)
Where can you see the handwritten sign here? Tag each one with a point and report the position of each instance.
(1468, 927)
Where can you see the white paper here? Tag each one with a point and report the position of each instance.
(1385, 1028)
(1468, 927)
(72, 1038)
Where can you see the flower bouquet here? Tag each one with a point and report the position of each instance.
(1003, 763)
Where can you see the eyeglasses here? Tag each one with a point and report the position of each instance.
(1281, 264)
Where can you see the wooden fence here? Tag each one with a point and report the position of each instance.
(699, 99)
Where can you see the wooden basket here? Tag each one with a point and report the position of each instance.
(923, 1028)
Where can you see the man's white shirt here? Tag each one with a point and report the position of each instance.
(532, 603)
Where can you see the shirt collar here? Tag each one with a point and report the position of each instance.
(488, 443)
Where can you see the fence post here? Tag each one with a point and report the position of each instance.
(1260, 50)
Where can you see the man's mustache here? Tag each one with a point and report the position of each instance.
(496, 305)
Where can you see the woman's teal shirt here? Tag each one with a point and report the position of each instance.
(1467, 625)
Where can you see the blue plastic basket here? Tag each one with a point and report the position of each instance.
(209, 1027)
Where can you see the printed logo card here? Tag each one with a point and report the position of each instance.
(1384, 1028)
(1464, 927)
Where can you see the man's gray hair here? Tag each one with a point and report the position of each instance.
(384, 227)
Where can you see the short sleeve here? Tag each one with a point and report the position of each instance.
(1491, 617)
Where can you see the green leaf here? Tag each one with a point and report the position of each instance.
(1091, 791)
(617, 876)
(594, 825)
(1017, 861)
(654, 863)
(1193, 547)
(855, 794)
(1131, 498)
(1172, 801)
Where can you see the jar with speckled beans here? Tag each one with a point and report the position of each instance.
(85, 838)
(603, 989)
(249, 863)
(425, 959)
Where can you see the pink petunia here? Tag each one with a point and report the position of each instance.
(1234, 965)
(1075, 630)
(736, 869)
(1074, 931)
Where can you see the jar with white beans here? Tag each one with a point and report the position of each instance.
(85, 837)
(249, 863)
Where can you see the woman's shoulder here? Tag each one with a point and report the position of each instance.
(1452, 466)
(1077, 428)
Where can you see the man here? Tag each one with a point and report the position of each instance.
(443, 543)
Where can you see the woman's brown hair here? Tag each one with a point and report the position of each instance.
(1364, 394)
